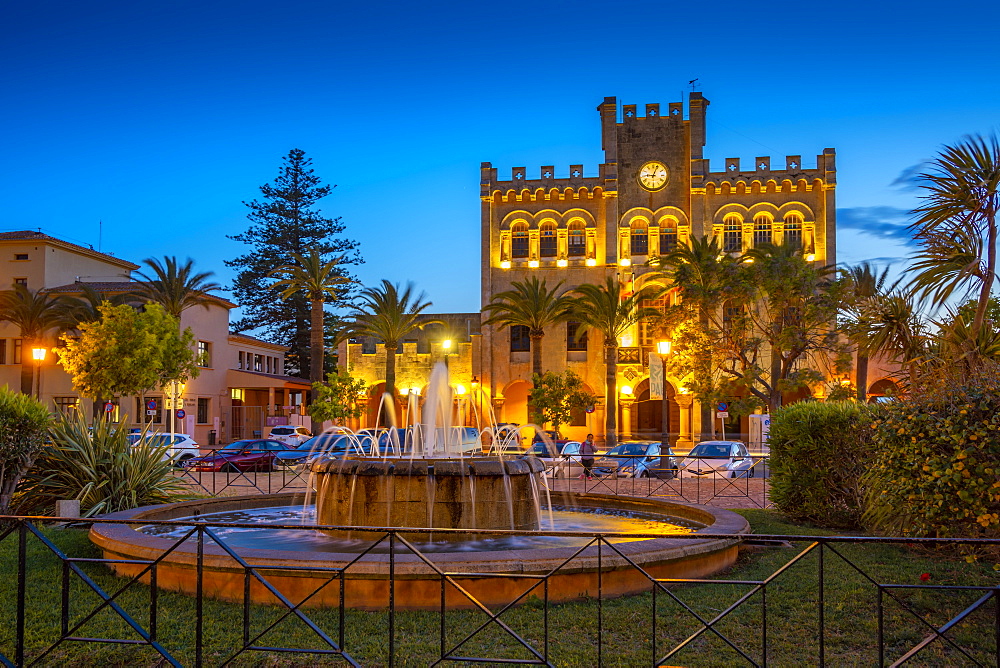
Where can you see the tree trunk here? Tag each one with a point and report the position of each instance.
(316, 341)
(390, 380)
(862, 378)
(987, 286)
(611, 395)
(27, 367)
(536, 351)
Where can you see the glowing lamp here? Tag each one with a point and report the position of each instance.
(810, 257)
(562, 263)
(663, 347)
(446, 344)
(460, 389)
(505, 264)
(591, 262)
(626, 390)
(475, 381)
(38, 354)
(533, 264)
(845, 381)
(683, 389)
(415, 391)
(625, 262)
(748, 260)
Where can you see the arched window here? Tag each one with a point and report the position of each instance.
(519, 240)
(732, 233)
(640, 238)
(762, 229)
(668, 235)
(547, 243)
(577, 240)
(793, 230)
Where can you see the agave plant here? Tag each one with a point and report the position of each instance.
(98, 465)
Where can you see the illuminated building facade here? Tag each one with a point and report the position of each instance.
(654, 190)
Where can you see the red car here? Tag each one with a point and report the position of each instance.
(247, 455)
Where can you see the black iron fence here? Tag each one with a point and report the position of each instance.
(798, 600)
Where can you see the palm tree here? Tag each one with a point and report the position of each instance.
(175, 285)
(389, 313)
(957, 225)
(34, 313)
(533, 305)
(85, 308)
(606, 309)
(894, 326)
(318, 280)
(864, 283)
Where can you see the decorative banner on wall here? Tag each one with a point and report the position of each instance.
(655, 377)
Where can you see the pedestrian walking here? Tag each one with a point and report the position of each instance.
(587, 452)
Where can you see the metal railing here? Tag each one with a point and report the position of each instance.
(65, 608)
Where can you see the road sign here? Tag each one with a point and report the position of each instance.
(180, 413)
(722, 407)
(722, 414)
(171, 404)
(150, 412)
(108, 407)
(151, 405)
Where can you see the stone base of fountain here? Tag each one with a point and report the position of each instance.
(470, 493)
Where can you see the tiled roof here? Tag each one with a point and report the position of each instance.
(119, 287)
(287, 379)
(254, 339)
(28, 235)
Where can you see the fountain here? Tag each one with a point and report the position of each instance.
(458, 502)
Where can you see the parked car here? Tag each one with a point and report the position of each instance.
(562, 460)
(636, 459)
(181, 446)
(330, 444)
(253, 454)
(718, 459)
(290, 434)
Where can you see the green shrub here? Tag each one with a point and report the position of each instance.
(936, 473)
(99, 467)
(819, 451)
(23, 424)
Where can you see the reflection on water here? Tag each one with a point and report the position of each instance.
(306, 539)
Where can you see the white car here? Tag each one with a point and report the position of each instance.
(718, 459)
(182, 446)
(561, 460)
(290, 434)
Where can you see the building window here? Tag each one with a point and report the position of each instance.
(640, 238)
(20, 256)
(204, 354)
(15, 357)
(547, 243)
(572, 342)
(3, 351)
(203, 403)
(793, 230)
(519, 240)
(732, 234)
(66, 405)
(649, 331)
(142, 410)
(577, 240)
(732, 317)
(761, 230)
(520, 340)
(258, 363)
(21, 281)
(367, 346)
(268, 363)
(668, 236)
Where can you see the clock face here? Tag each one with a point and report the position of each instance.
(653, 175)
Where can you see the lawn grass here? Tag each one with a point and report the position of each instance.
(627, 623)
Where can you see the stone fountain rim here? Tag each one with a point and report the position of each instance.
(125, 540)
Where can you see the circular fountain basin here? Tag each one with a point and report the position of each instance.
(572, 574)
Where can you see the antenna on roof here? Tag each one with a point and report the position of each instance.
(691, 83)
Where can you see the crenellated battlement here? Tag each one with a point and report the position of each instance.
(546, 180)
(762, 172)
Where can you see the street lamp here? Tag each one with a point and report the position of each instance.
(38, 354)
(446, 347)
(663, 349)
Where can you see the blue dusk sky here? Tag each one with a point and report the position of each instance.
(160, 118)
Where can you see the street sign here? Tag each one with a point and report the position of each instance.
(108, 407)
(150, 412)
(722, 407)
(722, 414)
(151, 405)
(171, 404)
(180, 413)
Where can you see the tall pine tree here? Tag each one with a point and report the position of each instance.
(284, 223)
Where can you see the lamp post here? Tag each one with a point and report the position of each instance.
(38, 354)
(663, 349)
(446, 347)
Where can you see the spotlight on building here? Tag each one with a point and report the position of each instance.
(533, 264)
(625, 262)
(591, 262)
(562, 263)
(505, 264)
(626, 390)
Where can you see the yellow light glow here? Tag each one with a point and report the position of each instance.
(505, 264)
(845, 381)
(625, 262)
(748, 260)
(663, 347)
(460, 389)
(446, 344)
(38, 354)
(810, 257)
(626, 340)
(683, 389)
(591, 262)
(533, 264)
(415, 391)
(562, 263)
(236, 393)
(626, 390)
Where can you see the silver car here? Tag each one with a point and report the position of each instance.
(718, 459)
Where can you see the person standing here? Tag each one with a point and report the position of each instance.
(587, 452)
